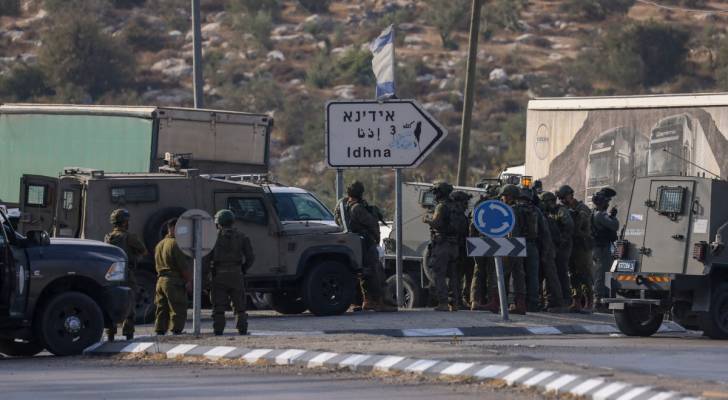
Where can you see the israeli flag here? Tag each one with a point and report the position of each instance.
(383, 62)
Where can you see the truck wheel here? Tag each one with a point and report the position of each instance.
(414, 296)
(638, 320)
(328, 288)
(11, 348)
(146, 286)
(69, 323)
(714, 323)
(156, 226)
(286, 302)
(259, 301)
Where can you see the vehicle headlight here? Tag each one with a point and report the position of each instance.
(116, 272)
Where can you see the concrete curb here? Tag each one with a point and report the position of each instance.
(541, 380)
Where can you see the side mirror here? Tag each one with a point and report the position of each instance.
(38, 238)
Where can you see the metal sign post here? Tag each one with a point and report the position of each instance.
(398, 235)
(495, 220)
(196, 235)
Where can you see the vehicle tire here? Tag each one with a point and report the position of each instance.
(714, 323)
(156, 226)
(12, 348)
(259, 301)
(429, 273)
(328, 288)
(414, 295)
(69, 323)
(286, 302)
(638, 320)
(144, 307)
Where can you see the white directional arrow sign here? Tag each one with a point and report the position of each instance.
(367, 133)
(496, 247)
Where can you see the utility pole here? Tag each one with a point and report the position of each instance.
(197, 81)
(469, 88)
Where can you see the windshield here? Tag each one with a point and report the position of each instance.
(662, 162)
(600, 169)
(300, 207)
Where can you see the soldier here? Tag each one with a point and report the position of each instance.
(581, 254)
(526, 226)
(529, 227)
(360, 219)
(173, 282)
(445, 224)
(135, 250)
(230, 258)
(483, 274)
(562, 230)
(547, 251)
(461, 200)
(604, 232)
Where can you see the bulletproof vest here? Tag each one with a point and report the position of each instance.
(368, 229)
(458, 220)
(526, 221)
(602, 236)
(554, 228)
(228, 253)
(119, 239)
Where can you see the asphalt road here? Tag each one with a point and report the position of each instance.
(89, 378)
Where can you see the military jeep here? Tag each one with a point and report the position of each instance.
(303, 260)
(671, 257)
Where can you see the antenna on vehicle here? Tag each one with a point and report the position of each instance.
(691, 163)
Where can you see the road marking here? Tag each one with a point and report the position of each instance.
(662, 396)
(287, 333)
(354, 360)
(387, 362)
(180, 350)
(219, 352)
(255, 355)
(544, 330)
(538, 378)
(586, 386)
(456, 368)
(432, 332)
(562, 381)
(491, 371)
(608, 390)
(421, 366)
(600, 328)
(136, 347)
(93, 347)
(634, 393)
(288, 356)
(320, 359)
(516, 375)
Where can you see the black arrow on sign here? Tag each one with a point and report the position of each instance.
(518, 247)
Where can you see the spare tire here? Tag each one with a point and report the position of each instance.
(156, 226)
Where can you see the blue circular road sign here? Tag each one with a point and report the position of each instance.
(494, 218)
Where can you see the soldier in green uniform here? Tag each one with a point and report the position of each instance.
(553, 301)
(135, 250)
(461, 200)
(230, 258)
(527, 222)
(562, 231)
(484, 269)
(174, 280)
(581, 255)
(604, 232)
(443, 248)
(359, 218)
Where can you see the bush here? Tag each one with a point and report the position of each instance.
(315, 6)
(355, 67)
(300, 119)
(10, 8)
(320, 73)
(77, 53)
(127, 3)
(448, 17)
(23, 82)
(503, 14)
(261, 94)
(596, 10)
(643, 54)
(271, 7)
(142, 35)
(77, 7)
(258, 24)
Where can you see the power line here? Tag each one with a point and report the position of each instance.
(675, 8)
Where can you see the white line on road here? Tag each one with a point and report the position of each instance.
(491, 371)
(662, 396)
(608, 390)
(634, 393)
(255, 355)
(421, 366)
(516, 375)
(136, 347)
(538, 378)
(457, 368)
(543, 330)
(584, 387)
(180, 350)
(562, 381)
(219, 352)
(432, 332)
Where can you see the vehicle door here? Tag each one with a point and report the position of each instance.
(667, 226)
(69, 209)
(14, 272)
(38, 196)
(255, 219)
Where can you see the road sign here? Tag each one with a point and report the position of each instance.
(494, 218)
(496, 247)
(184, 232)
(368, 133)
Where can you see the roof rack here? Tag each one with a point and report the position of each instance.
(252, 178)
(94, 173)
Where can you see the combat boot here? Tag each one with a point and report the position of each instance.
(575, 306)
(368, 304)
(519, 305)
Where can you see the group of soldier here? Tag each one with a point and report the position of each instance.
(568, 247)
(227, 263)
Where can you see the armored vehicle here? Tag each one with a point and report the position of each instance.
(671, 257)
(57, 294)
(302, 259)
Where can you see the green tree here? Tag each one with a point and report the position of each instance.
(448, 17)
(23, 82)
(258, 24)
(503, 14)
(355, 67)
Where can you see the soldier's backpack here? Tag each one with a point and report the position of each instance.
(457, 219)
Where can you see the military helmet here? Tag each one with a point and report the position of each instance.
(564, 191)
(442, 188)
(224, 218)
(459, 195)
(525, 194)
(608, 192)
(510, 190)
(547, 196)
(355, 189)
(119, 216)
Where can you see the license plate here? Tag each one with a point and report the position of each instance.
(626, 265)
